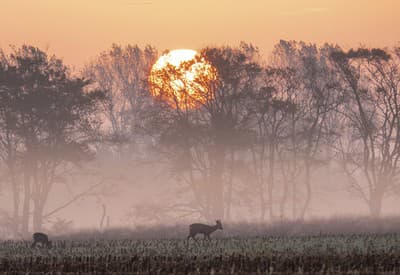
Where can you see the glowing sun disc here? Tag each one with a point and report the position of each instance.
(175, 57)
(182, 79)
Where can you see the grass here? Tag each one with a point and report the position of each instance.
(309, 254)
(341, 246)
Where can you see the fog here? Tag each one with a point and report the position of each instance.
(312, 132)
(86, 213)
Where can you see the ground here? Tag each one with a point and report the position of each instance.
(329, 254)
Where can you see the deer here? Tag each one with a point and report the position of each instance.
(206, 230)
(41, 238)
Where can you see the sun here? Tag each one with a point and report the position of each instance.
(183, 79)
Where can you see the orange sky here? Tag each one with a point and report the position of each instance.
(77, 30)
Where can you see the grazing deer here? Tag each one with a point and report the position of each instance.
(206, 230)
(41, 238)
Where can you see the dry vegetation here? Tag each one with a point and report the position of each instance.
(241, 249)
(331, 254)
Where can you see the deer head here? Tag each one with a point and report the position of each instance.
(219, 224)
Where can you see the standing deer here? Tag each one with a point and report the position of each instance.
(41, 238)
(206, 230)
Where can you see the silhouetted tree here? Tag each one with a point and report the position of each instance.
(311, 88)
(369, 147)
(123, 71)
(47, 122)
(271, 107)
(201, 142)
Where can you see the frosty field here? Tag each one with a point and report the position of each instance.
(312, 254)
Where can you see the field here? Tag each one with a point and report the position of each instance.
(329, 254)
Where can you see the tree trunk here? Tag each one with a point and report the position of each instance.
(294, 159)
(42, 183)
(284, 199)
(16, 198)
(307, 183)
(217, 187)
(38, 214)
(271, 182)
(230, 187)
(229, 200)
(26, 203)
(263, 209)
(375, 202)
(294, 199)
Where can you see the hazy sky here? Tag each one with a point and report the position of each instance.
(77, 30)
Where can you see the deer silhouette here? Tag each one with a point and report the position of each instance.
(41, 238)
(206, 230)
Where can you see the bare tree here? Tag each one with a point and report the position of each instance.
(271, 109)
(201, 142)
(123, 71)
(47, 120)
(319, 97)
(293, 121)
(369, 149)
(10, 145)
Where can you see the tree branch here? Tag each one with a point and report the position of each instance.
(77, 197)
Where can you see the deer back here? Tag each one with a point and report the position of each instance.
(201, 228)
(40, 237)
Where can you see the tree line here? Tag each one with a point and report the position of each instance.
(258, 143)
